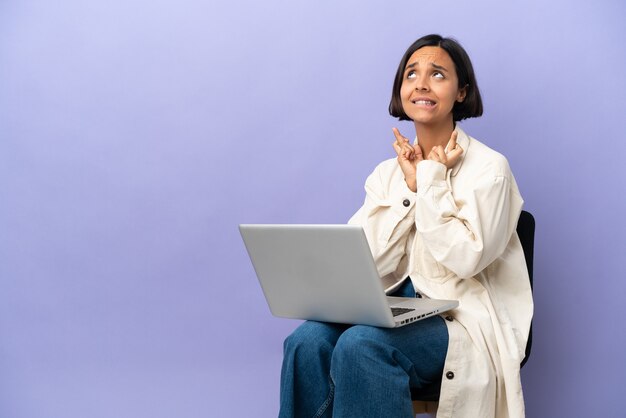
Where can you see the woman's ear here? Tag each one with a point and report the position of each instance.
(462, 93)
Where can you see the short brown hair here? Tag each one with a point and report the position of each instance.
(471, 107)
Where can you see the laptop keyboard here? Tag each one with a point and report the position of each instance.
(400, 311)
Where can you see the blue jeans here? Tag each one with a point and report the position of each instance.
(336, 370)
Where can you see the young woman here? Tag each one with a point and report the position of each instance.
(440, 220)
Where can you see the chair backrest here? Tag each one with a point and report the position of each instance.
(526, 233)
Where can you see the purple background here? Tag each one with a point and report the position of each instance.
(136, 135)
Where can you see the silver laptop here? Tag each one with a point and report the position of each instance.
(327, 273)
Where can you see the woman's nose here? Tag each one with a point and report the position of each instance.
(421, 83)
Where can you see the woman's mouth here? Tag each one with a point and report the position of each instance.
(423, 102)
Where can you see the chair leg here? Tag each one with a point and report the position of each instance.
(425, 409)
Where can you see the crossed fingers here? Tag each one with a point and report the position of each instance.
(450, 155)
(404, 149)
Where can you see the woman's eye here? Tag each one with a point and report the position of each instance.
(410, 74)
(437, 74)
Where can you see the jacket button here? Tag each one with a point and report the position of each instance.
(406, 203)
(450, 375)
(449, 318)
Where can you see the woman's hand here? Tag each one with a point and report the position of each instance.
(408, 157)
(448, 158)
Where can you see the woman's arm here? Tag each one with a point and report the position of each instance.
(387, 216)
(469, 233)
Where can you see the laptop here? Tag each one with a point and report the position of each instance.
(327, 273)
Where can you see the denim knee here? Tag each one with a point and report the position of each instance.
(311, 339)
(356, 346)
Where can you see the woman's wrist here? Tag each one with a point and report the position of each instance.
(411, 184)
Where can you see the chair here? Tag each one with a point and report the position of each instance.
(526, 233)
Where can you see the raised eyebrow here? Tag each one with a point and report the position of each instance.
(438, 67)
(410, 66)
(432, 64)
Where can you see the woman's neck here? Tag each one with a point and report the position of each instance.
(429, 136)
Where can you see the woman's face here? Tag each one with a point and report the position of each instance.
(430, 86)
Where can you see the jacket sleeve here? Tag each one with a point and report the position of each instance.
(387, 216)
(467, 234)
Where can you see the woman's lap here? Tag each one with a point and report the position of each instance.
(370, 367)
(423, 343)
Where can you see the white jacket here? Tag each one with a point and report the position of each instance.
(456, 238)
